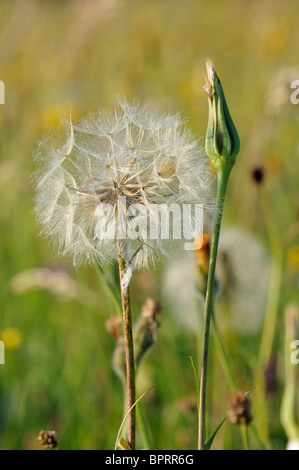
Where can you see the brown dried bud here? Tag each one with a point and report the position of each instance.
(239, 409)
(202, 252)
(188, 404)
(48, 439)
(257, 175)
(151, 309)
(144, 337)
(114, 327)
(145, 331)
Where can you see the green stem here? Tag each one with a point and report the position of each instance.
(270, 322)
(221, 192)
(231, 379)
(245, 437)
(257, 436)
(272, 307)
(111, 289)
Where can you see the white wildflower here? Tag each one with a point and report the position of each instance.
(100, 178)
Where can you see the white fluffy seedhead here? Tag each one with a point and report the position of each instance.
(100, 181)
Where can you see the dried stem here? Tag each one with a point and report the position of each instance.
(129, 349)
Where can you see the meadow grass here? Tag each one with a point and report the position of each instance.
(73, 57)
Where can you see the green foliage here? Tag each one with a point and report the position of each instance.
(67, 57)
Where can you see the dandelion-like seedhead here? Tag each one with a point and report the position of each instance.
(101, 180)
(243, 270)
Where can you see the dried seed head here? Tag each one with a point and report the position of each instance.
(236, 282)
(188, 404)
(257, 175)
(100, 178)
(48, 439)
(151, 309)
(239, 409)
(145, 331)
(114, 326)
(144, 337)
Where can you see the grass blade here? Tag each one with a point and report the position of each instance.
(196, 380)
(128, 412)
(209, 443)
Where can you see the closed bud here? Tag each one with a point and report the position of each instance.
(144, 336)
(145, 331)
(222, 139)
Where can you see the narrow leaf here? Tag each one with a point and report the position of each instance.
(123, 445)
(128, 412)
(196, 380)
(209, 443)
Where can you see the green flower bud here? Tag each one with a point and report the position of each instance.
(222, 139)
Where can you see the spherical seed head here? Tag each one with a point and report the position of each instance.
(101, 179)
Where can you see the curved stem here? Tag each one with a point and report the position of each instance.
(221, 191)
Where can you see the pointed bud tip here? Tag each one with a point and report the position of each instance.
(211, 70)
(222, 140)
(211, 75)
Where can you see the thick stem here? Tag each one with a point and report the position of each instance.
(129, 348)
(221, 191)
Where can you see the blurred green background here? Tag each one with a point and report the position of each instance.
(74, 56)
